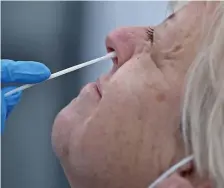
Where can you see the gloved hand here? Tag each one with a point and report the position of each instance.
(24, 72)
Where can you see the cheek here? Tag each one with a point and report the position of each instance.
(124, 138)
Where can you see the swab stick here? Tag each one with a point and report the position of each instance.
(65, 71)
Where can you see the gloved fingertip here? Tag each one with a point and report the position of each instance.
(38, 71)
(46, 73)
(26, 72)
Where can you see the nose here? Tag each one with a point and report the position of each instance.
(126, 42)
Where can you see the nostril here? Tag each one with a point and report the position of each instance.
(109, 49)
(115, 60)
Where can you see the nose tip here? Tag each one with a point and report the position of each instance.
(120, 41)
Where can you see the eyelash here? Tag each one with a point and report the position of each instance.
(150, 34)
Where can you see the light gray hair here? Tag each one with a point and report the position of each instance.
(203, 104)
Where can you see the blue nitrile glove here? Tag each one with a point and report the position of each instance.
(24, 72)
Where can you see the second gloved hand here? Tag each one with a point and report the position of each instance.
(23, 72)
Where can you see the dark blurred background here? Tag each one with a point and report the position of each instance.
(60, 35)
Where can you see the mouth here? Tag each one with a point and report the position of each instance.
(98, 87)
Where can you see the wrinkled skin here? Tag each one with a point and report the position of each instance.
(124, 130)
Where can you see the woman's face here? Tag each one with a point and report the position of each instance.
(124, 130)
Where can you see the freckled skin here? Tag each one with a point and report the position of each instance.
(130, 134)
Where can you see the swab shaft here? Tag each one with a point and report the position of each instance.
(65, 71)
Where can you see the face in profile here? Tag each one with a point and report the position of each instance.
(124, 130)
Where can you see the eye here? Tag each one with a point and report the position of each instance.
(150, 34)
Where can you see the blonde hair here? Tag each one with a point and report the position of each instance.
(203, 105)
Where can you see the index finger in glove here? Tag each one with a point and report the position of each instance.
(26, 72)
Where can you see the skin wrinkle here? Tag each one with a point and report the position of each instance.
(173, 54)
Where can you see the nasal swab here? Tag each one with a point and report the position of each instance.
(65, 71)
